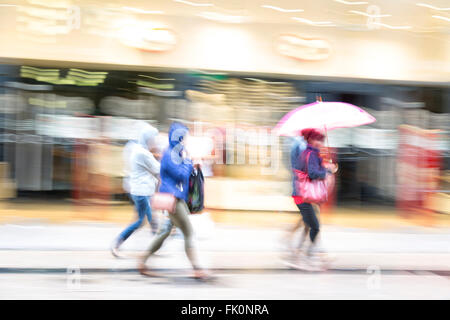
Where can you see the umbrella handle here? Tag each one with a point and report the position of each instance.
(328, 145)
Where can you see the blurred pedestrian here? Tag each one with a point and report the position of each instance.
(142, 181)
(298, 145)
(176, 168)
(310, 162)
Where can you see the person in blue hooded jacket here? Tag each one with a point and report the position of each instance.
(175, 171)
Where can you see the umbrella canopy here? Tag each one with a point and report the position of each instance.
(322, 115)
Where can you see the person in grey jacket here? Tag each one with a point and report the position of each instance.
(142, 183)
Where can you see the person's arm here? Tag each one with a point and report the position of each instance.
(149, 162)
(158, 177)
(315, 169)
(153, 166)
(178, 171)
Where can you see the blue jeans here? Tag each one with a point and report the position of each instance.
(143, 209)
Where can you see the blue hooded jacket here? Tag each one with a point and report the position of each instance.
(175, 170)
(297, 147)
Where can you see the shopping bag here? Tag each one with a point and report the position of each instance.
(196, 191)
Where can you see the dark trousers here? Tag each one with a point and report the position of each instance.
(310, 219)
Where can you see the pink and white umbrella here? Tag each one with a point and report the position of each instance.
(322, 115)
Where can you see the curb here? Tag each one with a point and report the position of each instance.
(445, 273)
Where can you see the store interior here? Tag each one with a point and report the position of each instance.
(75, 76)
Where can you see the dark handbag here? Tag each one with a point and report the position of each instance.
(196, 191)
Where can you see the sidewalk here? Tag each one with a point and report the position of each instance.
(54, 248)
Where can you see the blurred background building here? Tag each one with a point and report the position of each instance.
(76, 75)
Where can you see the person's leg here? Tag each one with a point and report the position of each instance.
(305, 232)
(143, 209)
(310, 219)
(290, 233)
(316, 208)
(151, 218)
(180, 219)
(158, 240)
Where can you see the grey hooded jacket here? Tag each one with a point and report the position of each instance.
(144, 168)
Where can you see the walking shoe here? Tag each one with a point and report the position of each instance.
(201, 274)
(297, 260)
(146, 272)
(115, 251)
(315, 262)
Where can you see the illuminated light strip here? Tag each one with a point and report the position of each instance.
(351, 2)
(392, 27)
(54, 78)
(254, 79)
(137, 10)
(195, 4)
(221, 17)
(370, 15)
(34, 76)
(40, 73)
(86, 76)
(442, 18)
(209, 73)
(281, 9)
(90, 72)
(75, 78)
(432, 7)
(162, 86)
(25, 74)
(33, 69)
(55, 81)
(315, 23)
(158, 79)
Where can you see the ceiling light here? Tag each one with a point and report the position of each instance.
(442, 18)
(137, 10)
(315, 23)
(221, 17)
(351, 2)
(281, 9)
(392, 27)
(370, 15)
(195, 4)
(432, 7)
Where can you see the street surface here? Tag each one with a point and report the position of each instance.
(72, 261)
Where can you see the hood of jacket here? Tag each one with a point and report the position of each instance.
(177, 133)
(147, 136)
